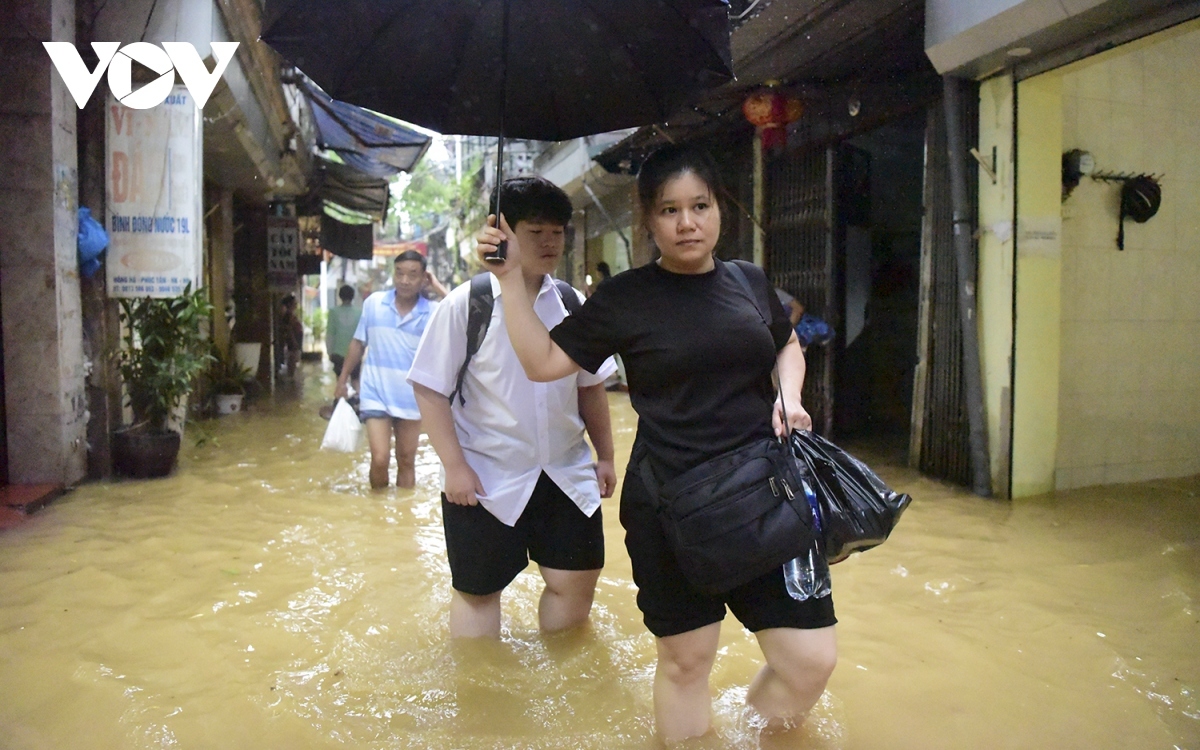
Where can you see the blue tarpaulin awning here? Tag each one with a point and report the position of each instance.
(372, 143)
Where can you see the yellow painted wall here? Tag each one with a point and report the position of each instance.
(1130, 379)
(1038, 285)
(996, 268)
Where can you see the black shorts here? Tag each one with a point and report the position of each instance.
(338, 360)
(670, 605)
(486, 554)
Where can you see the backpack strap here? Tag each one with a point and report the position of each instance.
(479, 316)
(569, 298)
(735, 267)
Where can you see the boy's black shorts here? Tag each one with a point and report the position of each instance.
(670, 605)
(486, 555)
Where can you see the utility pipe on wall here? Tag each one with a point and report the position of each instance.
(760, 254)
(981, 472)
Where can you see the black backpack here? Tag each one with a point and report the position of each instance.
(479, 316)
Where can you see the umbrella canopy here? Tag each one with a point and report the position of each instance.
(537, 69)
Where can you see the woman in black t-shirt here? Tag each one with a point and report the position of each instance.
(698, 358)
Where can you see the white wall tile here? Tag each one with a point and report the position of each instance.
(1094, 81)
(1125, 78)
(1092, 298)
(1159, 76)
(1092, 129)
(1125, 289)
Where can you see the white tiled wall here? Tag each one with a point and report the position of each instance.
(1129, 406)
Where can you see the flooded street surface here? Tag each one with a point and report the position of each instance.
(263, 597)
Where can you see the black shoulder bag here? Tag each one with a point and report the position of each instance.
(735, 517)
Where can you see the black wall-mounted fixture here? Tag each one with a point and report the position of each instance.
(1076, 164)
(1141, 197)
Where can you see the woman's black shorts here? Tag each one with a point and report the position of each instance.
(670, 605)
(486, 554)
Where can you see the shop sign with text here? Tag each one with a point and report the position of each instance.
(283, 244)
(153, 176)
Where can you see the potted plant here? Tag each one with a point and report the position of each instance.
(316, 323)
(228, 381)
(163, 350)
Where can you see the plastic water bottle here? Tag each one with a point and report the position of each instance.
(807, 576)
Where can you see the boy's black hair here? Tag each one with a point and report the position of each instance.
(533, 199)
(410, 255)
(603, 269)
(346, 293)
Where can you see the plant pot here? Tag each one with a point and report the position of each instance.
(229, 403)
(144, 455)
(248, 355)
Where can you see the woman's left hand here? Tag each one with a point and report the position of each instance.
(798, 417)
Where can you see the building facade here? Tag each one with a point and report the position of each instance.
(62, 397)
(1091, 352)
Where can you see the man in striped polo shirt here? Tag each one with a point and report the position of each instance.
(389, 330)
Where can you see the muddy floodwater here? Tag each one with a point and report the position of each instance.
(263, 597)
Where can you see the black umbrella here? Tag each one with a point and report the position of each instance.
(537, 69)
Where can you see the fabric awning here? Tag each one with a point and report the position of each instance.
(350, 188)
(353, 241)
(372, 143)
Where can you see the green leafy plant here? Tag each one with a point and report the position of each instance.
(226, 375)
(316, 322)
(163, 351)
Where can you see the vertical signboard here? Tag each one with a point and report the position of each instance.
(283, 242)
(153, 177)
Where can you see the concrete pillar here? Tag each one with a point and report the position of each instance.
(250, 293)
(1038, 279)
(220, 261)
(101, 323)
(996, 256)
(40, 305)
(577, 252)
(642, 248)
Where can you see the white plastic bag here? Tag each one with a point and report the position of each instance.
(344, 429)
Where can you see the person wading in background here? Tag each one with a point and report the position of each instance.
(339, 332)
(388, 332)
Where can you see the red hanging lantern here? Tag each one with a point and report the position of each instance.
(771, 112)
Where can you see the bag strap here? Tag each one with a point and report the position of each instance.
(569, 298)
(479, 317)
(735, 268)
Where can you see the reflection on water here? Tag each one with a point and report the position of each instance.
(262, 597)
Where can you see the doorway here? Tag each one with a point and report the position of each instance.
(879, 183)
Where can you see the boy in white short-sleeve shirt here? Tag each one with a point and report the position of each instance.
(520, 482)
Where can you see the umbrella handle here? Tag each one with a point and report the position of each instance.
(501, 254)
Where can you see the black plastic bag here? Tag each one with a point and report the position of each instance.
(858, 510)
